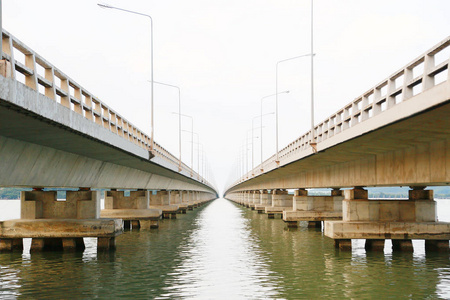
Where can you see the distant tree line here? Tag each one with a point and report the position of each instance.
(14, 193)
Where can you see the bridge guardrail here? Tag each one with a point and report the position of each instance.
(38, 74)
(421, 74)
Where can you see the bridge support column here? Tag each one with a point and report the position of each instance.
(188, 200)
(281, 201)
(399, 220)
(314, 209)
(265, 200)
(178, 200)
(162, 201)
(241, 198)
(256, 199)
(134, 209)
(54, 224)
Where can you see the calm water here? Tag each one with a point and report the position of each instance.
(223, 251)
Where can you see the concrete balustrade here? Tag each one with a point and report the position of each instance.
(399, 220)
(414, 79)
(314, 209)
(134, 210)
(59, 224)
(44, 78)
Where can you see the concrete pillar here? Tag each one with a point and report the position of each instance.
(134, 209)
(162, 201)
(343, 244)
(375, 245)
(174, 197)
(256, 198)
(60, 224)
(436, 246)
(300, 199)
(266, 198)
(402, 245)
(8, 245)
(118, 200)
(177, 197)
(391, 219)
(281, 198)
(314, 209)
(314, 224)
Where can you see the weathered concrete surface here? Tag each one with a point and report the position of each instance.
(60, 228)
(387, 230)
(388, 219)
(44, 205)
(314, 208)
(311, 215)
(132, 214)
(44, 144)
(118, 200)
(406, 145)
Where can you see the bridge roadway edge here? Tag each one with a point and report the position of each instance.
(421, 105)
(98, 149)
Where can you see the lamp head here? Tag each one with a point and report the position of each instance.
(103, 5)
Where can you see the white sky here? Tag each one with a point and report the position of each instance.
(222, 53)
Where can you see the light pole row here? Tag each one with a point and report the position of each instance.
(152, 140)
(312, 137)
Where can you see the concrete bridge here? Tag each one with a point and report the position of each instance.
(54, 133)
(395, 134)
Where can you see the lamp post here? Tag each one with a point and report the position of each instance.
(312, 142)
(253, 128)
(179, 117)
(1, 31)
(198, 148)
(192, 137)
(151, 61)
(276, 94)
(276, 112)
(252, 138)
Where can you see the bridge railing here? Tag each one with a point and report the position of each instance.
(37, 73)
(429, 69)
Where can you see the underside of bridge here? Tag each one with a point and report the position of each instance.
(44, 144)
(413, 151)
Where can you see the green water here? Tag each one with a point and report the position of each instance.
(223, 251)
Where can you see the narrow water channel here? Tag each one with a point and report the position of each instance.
(223, 251)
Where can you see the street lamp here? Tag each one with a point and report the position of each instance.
(276, 113)
(179, 117)
(151, 61)
(254, 118)
(252, 130)
(276, 93)
(198, 149)
(192, 137)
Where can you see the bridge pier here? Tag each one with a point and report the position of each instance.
(265, 200)
(59, 224)
(314, 209)
(255, 199)
(133, 210)
(281, 201)
(398, 220)
(161, 200)
(177, 199)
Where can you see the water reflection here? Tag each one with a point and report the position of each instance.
(310, 267)
(223, 251)
(221, 259)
